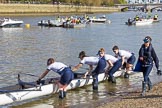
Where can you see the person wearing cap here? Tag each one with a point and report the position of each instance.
(127, 58)
(147, 56)
(88, 60)
(63, 70)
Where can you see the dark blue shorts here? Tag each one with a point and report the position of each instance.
(131, 60)
(67, 76)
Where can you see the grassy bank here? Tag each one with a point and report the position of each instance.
(39, 9)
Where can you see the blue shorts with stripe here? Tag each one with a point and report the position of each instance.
(67, 76)
(132, 59)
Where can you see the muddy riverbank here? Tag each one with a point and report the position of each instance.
(153, 99)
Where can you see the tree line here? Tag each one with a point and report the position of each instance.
(70, 2)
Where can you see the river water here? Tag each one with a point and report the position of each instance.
(26, 50)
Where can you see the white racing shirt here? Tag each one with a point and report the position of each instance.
(124, 53)
(57, 67)
(90, 60)
(111, 58)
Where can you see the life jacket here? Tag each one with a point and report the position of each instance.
(155, 16)
(146, 54)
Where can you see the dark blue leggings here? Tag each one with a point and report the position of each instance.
(146, 71)
(115, 68)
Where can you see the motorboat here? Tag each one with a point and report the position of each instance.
(73, 25)
(51, 23)
(44, 23)
(102, 19)
(144, 22)
(7, 22)
(140, 22)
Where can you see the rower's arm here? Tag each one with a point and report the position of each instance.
(90, 68)
(44, 74)
(75, 68)
(110, 65)
(89, 71)
(123, 59)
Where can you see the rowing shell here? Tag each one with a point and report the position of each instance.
(15, 93)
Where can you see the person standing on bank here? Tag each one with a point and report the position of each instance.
(147, 56)
(126, 57)
(64, 71)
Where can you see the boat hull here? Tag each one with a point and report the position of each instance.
(7, 22)
(144, 22)
(11, 25)
(45, 89)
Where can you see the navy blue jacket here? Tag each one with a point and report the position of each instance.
(149, 55)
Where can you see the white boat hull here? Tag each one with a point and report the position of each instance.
(34, 92)
(10, 23)
(144, 22)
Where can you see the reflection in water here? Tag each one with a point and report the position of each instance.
(12, 30)
(42, 106)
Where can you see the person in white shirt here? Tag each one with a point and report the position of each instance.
(100, 68)
(127, 57)
(99, 62)
(113, 65)
(90, 61)
(63, 70)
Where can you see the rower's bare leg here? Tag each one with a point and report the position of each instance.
(62, 91)
(128, 70)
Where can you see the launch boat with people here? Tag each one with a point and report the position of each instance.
(26, 91)
(140, 22)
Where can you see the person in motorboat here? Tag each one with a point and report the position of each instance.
(137, 18)
(103, 17)
(63, 70)
(128, 59)
(146, 58)
(113, 65)
(130, 21)
(155, 17)
(91, 61)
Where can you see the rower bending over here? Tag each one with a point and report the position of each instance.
(127, 57)
(100, 68)
(113, 65)
(66, 75)
(91, 61)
